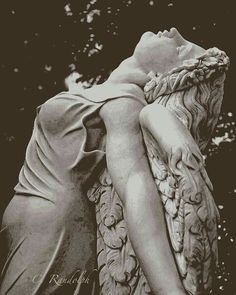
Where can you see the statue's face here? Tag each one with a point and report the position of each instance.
(164, 51)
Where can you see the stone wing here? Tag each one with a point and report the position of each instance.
(190, 212)
(191, 219)
(119, 269)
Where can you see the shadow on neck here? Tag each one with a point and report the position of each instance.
(129, 72)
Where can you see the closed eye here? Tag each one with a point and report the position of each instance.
(180, 48)
(183, 50)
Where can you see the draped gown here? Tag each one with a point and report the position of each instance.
(49, 228)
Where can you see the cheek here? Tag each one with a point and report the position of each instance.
(159, 51)
(166, 54)
(149, 49)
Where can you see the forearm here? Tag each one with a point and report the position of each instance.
(147, 231)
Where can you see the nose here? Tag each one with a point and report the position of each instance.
(174, 33)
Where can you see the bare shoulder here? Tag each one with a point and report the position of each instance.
(121, 112)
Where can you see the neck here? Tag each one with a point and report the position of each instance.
(129, 71)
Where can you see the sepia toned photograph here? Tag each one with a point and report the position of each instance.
(118, 148)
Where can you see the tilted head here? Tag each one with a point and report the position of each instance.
(193, 90)
(164, 51)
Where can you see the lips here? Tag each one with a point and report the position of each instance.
(168, 34)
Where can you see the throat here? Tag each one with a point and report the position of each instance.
(128, 72)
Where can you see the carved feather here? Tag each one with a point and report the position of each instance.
(190, 211)
(191, 218)
(119, 270)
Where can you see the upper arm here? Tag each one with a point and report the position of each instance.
(125, 152)
(169, 133)
(164, 126)
(121, 115)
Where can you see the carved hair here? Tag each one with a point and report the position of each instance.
(194, 92)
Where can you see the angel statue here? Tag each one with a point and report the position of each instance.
(113, 197)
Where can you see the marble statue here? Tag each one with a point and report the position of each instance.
(127, 152)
